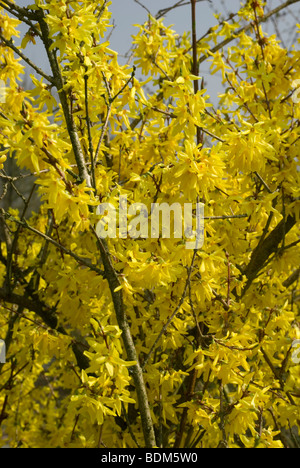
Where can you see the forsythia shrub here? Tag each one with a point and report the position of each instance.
(124, 342)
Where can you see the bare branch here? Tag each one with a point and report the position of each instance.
(181, 3)
(143, 6)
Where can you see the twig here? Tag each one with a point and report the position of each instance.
(162, 70)
(110, 102)
(137, 372)
(22, 12)
(104, 128)
(172, 316)
(222, 413)
(129, 426)
(219, 298)
(204, 130)
(88, 123)
(181, 3)
(174, 116)
(195, 69)
(11, 45)
(100, 436)
(235, 348)
(20, 16)
(11, 181)
(261, 44)
(143, 6)
(59, 84)
(191, 380)
(24, 316)
(125, 85)
(263, 182)
(13, 248)
(246, 28)
(228, 279)
(242, 100)
(80, 260)
(226, 217)
(278, 375)
(292, 278)
(265, 249)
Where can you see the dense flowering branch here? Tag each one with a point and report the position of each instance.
(128, 338)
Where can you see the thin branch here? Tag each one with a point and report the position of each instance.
(173, 315)
(227, 217)
(32, 302)
(204, 130)
(143, 6)
(13, 248)
(125, 85)
(181, 3)
(222, 413)
(137, 372)
(263, 182)
(219, 298)
(129, 426)
(24, 316)
(80, 260)
(195, 68)
(293, 244)
(11, 45)
(110, 102)
(22, 11)
(261, 44)
(174, 116)
(265, 249)
(247, 28)
(162, 70)
(192, 379)
(59, 84)
(10, 180)
(235, 348)
(21, 17)
(108, 114)
(278, 375)
(88, 123)
(242, 100)
(292, 278)
(228, 279)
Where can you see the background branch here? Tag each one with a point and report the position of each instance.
(248, 27)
